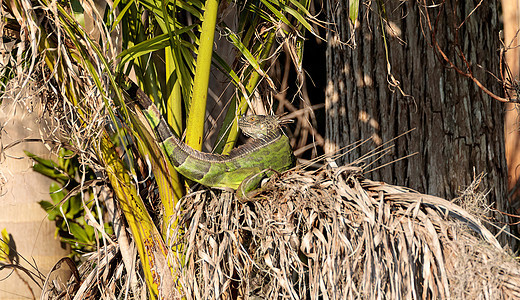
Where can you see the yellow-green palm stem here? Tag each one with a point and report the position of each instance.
(174, 101)
(150, 246)
(169, 185)
(197, 111)
(250, 86)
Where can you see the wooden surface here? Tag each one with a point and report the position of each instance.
(21, 188)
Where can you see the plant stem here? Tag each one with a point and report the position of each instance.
(197, 111)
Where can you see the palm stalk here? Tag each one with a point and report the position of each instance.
(197, 115)
(231, 121)
(167, 179)
(150, 245)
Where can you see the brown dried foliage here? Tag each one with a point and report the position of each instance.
(325, 234)
(335, 234)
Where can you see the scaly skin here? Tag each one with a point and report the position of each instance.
(245, 166)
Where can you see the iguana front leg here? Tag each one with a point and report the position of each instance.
(250, 182)
(250, 185)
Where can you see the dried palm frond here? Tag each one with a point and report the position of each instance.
(322, 234)
(335, 234)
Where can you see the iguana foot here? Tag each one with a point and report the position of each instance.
(247, 189)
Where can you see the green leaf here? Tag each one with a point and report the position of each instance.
(64, 161)
(353, 10)
(4, 246)
(50, 208)
(48, 167)
(121, 14)
(57, 192)
(53, 173)
(75, 207)
(108, 229)
(189, 7)
(300, 18)
(5, 236)
(243, 49)
(300, 7)
(45, 162)
(89, 231)
(276, 12)
(154, 44)
(78, 232)
(226, 70)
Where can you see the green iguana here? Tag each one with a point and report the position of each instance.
(243, 167)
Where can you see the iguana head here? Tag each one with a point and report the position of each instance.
(258, 126)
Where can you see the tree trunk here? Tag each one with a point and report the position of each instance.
(458, 129)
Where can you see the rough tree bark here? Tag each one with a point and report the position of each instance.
(458, 129)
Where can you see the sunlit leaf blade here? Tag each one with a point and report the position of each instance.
(78, 232)
(154, 44)
(4, 246)
(301, 8)
(50, 208)
(276, 12)
(44, 162)
(193, 7)
(228, 138)
(53, 173)
(57, 193)
(229, 72)
(169, 185)
(121, 13)
(353, 10)
(249, 57)
(300, 18)
(75, 206)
